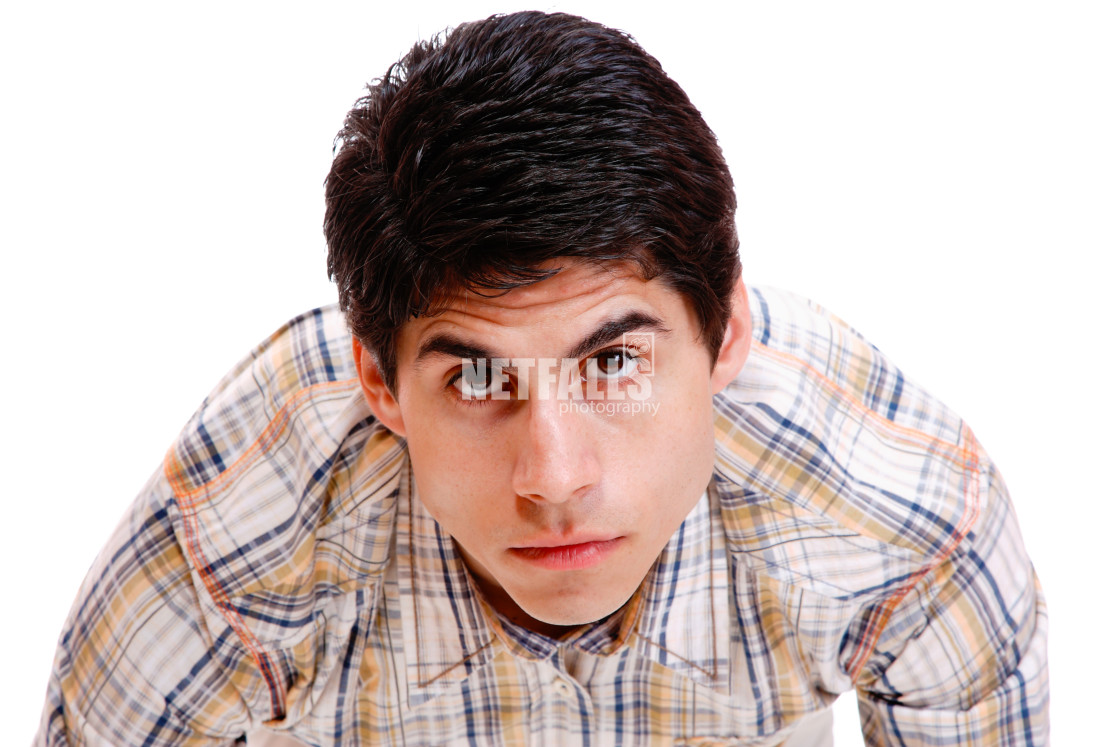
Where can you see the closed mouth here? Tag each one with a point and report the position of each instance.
(567, 557)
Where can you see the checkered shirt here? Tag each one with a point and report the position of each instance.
(280, 572)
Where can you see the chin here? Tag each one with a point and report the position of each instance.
(573, 609)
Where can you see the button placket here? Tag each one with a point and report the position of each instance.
(562, 684)
(562, 688)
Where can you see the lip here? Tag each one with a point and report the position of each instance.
(569, 557)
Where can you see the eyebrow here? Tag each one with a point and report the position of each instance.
(452, 346)
(456, 347)
(632, 321)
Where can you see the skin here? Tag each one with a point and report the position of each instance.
(559, 515)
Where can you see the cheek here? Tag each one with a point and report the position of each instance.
(454, 471)
(687, 438)
(669, 453)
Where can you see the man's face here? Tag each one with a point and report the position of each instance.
(559, 507)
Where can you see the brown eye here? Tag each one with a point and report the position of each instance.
(614, 364)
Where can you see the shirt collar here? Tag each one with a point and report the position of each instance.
(446, 635)
(678, 618)
(684, 623)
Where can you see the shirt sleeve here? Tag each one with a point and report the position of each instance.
(136, 663)
(963, 658)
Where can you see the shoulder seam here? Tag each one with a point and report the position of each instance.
(188, 508)
(185, 496)
(961, 456)
(883, 612)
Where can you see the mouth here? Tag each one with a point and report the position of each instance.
(567, 557)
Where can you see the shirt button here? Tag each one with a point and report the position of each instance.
(563, 688)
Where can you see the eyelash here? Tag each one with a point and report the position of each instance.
(630, 354)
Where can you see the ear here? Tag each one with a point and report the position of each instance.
(736, 340)
(380, 400)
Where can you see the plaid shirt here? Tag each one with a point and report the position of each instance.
(280, 571)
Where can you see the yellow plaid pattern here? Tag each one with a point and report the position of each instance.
(279, 571)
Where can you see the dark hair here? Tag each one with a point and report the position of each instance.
(513, 141)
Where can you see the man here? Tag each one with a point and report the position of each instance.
(558, 476)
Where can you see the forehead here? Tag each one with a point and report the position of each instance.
(570, 281)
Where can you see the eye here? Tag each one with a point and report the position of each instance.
(616, 363)
(479, 381)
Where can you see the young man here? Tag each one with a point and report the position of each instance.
(557, 476)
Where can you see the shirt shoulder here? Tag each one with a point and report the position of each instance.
(234, 583)
(821, 345)
(867, 525)
(284, 483)
(300, 363)
(822, 436)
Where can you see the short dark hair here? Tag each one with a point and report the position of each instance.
(513, 141)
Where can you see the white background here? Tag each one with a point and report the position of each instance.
(944, 176)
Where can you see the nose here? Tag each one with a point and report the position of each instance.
(556, 455)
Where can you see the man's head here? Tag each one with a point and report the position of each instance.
(512, 143)
(535, 188)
